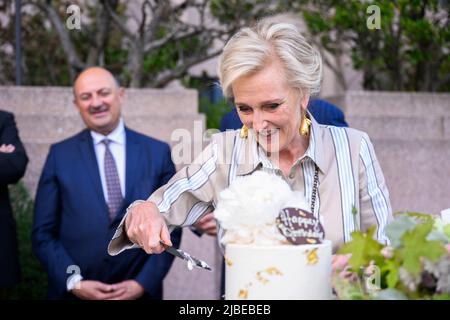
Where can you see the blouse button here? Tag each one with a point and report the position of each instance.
(292, 176)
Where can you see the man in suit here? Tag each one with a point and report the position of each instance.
(87, 183)
(13, 162)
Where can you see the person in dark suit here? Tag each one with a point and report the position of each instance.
(87, 183)
(13, 162)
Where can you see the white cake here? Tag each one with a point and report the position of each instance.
(273, 272)
(274, 246)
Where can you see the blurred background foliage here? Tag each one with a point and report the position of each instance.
(146, 43)
(409, 52)
(151, 43)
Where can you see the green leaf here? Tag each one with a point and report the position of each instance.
(389, 271)
(397, 228)
(348, 290)
(392, 278)
(447, 230)
(363, 249)
(391, 268)
(444, 296)
(416, 246)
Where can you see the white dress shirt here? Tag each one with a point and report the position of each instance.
(117, 147)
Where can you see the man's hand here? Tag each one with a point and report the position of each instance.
(207, 224)
(145, 226)
(96, 290)
(7, 148)
(130, 289)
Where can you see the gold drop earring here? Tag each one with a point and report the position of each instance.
(244, 132)
(305, 124)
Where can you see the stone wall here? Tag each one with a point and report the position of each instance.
(46, 115)
(411, 136)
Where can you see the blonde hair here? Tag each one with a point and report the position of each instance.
(252, 48)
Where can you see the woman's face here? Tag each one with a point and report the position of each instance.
(266, 104)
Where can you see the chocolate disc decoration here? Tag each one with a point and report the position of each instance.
(300, 226)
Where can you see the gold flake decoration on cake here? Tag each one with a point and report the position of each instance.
(271, 271)
(260, 278)
(243, 294)
(311, 256)
(228, 262)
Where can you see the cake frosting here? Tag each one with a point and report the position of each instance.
(260, 261)
(288, 272)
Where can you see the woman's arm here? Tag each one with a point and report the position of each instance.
(181, 202)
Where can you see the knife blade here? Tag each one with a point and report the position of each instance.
(192, 261)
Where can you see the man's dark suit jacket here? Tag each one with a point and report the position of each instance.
(323, 111)
(71, 224)
(12, 168)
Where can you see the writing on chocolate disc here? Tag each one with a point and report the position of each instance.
(300, 226)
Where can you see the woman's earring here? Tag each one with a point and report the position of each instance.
(244, 132)
(304, 125)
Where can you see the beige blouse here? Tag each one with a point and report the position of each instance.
(352, 193)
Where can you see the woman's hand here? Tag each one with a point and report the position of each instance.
(146, 227)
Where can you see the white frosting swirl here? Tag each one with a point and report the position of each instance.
(248, 208)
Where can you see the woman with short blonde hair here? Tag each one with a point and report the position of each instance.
(251, 49)
(270, 71)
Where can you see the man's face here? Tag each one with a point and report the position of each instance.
(99, 100)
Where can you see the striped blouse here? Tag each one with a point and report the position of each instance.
(352, 193)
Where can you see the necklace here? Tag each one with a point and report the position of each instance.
(315, 188)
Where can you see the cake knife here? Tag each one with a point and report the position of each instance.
(187, 257)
